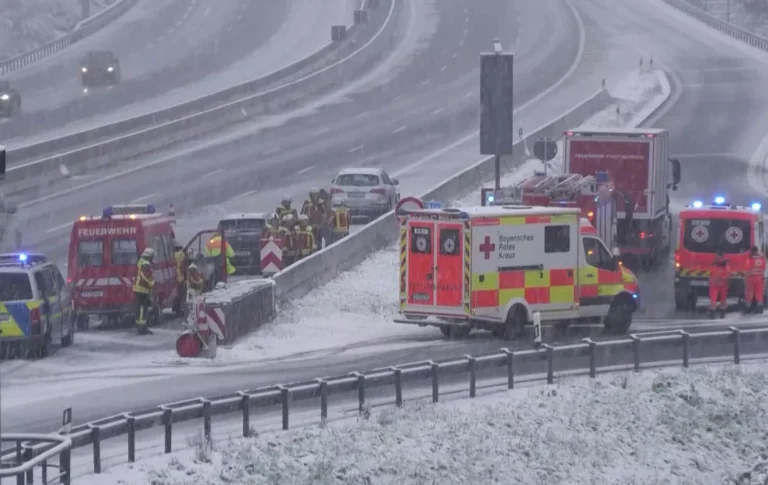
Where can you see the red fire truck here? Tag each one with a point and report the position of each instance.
(103, 253)
(594, 196)
(638, 164)
(704, 228)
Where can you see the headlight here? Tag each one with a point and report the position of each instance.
(85, 69)
(5, 97)
(110, 69)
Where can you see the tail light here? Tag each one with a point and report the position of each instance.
(642, 235)
(677, 260)
(36, 321)
(590, 215)
(336, 190)
(378, 191)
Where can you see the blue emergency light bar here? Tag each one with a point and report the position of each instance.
(601, 177)
(697, 204)
(756, 206)
(23, 257)
(719, 200)
(118, 210)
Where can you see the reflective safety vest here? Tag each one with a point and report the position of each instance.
(213, 249)
(305, 241)
(144, 278)
(341, 221)
(719, 273)
(180, 257)
(195, 281)
(755, 266)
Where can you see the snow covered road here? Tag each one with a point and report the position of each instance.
(171, 51)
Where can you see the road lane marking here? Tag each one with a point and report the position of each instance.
(59, 228)
(402, 128)
(143, 198)
(305, 170)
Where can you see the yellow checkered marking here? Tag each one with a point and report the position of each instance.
(694, 273)
(533, 279)
(467, 267)
(562, 294)
(11, 328)
(520, 220)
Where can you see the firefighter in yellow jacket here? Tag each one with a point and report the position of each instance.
(142, 289)
(305, 239)
(213, 249)
(181, 275)
(341, 220)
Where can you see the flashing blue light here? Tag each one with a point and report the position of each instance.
(601, 177)
(719, 200)
(491, 198)
(23, 257)
(756, 206)
(698, 204)
(634, 295)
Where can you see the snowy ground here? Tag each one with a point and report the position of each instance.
(27, 24)
(702, 426)
(751, 15)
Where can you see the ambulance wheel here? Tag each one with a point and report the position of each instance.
(619, 317)
(454, 332)
(514, 326)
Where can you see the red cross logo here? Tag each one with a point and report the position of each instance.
(734, 235)
(487, 247)
(699, 233)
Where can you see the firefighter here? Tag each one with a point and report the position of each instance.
(341, 220)
(290, 251)
(285, 208)
(314, 197)
(272, 229)
(213, 249)
(305, 240)
(181, 270)
(754, 283)
(317, 212)
(142, 289)
(195, 279)
(718, 285)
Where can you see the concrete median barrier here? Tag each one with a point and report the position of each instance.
(364, 46)
(325, 265)
(81, 31)
(721, 25)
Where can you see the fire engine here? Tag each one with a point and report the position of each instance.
(594, 196)
(494, 268)
(103, 254)
(638, 164)
(703, 229)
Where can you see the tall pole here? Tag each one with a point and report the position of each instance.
(497, 98)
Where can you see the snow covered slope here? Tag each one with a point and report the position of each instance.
(701, 426)
(27, 24)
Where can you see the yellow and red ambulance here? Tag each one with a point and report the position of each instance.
(493, 268)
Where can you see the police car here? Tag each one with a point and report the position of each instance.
(35, 306)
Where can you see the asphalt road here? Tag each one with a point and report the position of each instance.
(415, 102)
(170, 51)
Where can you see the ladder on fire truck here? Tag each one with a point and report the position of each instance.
(559, 187)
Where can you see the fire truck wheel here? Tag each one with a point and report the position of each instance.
(454, 332)
(619, 317)
(514, 326)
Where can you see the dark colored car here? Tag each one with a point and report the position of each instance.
(243, 233)
(100, 68)
(10, 100)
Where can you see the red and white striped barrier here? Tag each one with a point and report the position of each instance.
(271, 255)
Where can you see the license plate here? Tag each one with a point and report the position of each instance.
(699, 283)
(420, 297)
(357, 194)
(243, 254)
(91, 294)
(4, 317)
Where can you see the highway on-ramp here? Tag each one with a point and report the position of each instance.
(170, 51)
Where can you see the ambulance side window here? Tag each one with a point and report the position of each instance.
(449, 242)
(557, 239)
(596, 255)
(159, 246)
(421, 240)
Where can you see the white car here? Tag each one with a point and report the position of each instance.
(368, 192)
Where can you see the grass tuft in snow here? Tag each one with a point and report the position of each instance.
(703, 426)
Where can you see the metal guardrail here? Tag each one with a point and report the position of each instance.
(138, 135)
(36, 451)
(81, 31)
(589, 357)
(721, 25)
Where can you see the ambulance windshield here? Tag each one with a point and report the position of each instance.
(707, 235)
(15, 287)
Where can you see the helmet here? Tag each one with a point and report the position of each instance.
(177, 244)
(286, 201)
(148, 254)
(193, 268)
(303, 218)
(337, 202)
(314, 190)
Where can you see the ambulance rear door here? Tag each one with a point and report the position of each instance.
(435, 266)
(605, 221)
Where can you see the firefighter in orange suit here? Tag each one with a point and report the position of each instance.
(341, 220)
(305, 240)
(142, 289)
(754, 284)
(718, 285)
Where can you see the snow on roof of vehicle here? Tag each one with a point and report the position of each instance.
(618, 131)
(245, 215)
(360, 171)
(503, 211)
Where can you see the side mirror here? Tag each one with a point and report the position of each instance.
(616, 253)
(676, 172)
(395, 182)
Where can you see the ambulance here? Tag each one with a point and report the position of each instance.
(703, 229)
(103, 254)
(493, 268)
